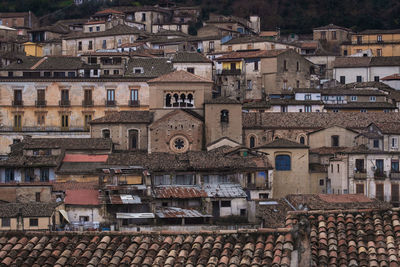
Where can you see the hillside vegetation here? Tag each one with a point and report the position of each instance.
(298, 16)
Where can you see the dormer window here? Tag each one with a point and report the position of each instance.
(224, 115)
(106, 133)
(138, 70)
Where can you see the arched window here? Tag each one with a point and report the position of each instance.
(282, 163)
(176, 98)
(168, 100)
(190, 100)
(224, 115)
(302, 140)
(106, 133)
(182, 101)
(252, 141)
(133, 139)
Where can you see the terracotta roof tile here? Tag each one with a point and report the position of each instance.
(82, 197)
(179, 192)
(180, 76)
(315, 120)
(124, 117)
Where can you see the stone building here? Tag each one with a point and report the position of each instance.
(78, 43)
(252, 75)
(194, 63)
(63, 107)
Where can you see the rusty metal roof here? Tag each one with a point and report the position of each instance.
(173, 212)
(225, 190)
(125, 199)
(179, 192)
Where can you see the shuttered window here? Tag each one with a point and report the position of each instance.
(282, 163)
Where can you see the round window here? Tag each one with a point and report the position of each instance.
(179, 144)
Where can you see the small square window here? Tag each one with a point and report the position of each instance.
(372, 98)
(33, 222)
(5, 222)
(376, 143)
(225, 204)
(321, 182)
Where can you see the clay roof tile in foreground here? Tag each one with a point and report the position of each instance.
(236, 248)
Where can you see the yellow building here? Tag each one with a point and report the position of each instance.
(29, 216)
(291, 167)
(33, 49)
(384, 43)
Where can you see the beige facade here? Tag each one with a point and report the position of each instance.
(201, 69)
(298, 177)
(91, 42)
(331, 34)
(119, 133)
(25, 193)
(261, 45)
(148, 18)
(200, 91)
(170, 27)
(287, 70)
(51, 114)
(218, 127)
(331, 137)
(176, 132)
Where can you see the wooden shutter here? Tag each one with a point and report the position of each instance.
(379, 192)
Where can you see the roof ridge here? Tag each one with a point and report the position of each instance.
(155, 232)
(37, 64)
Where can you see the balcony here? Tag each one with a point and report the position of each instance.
(360, 175)
(134, 103)
(231, 72)
(18, 103)
(64, 103)
(379, 175)
(395, 175)
(87, 103)
(40, 103)
(111, 103)
(266, 186)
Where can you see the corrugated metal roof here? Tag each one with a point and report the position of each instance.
(173, 212)
(121, 215)
(225, 190)
(125, 199)
(179, 192)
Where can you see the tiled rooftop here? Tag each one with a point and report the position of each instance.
(261, 247)
(180, 76)
(348, 238)
(315, 120)
(124, 117)
(179, 192)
